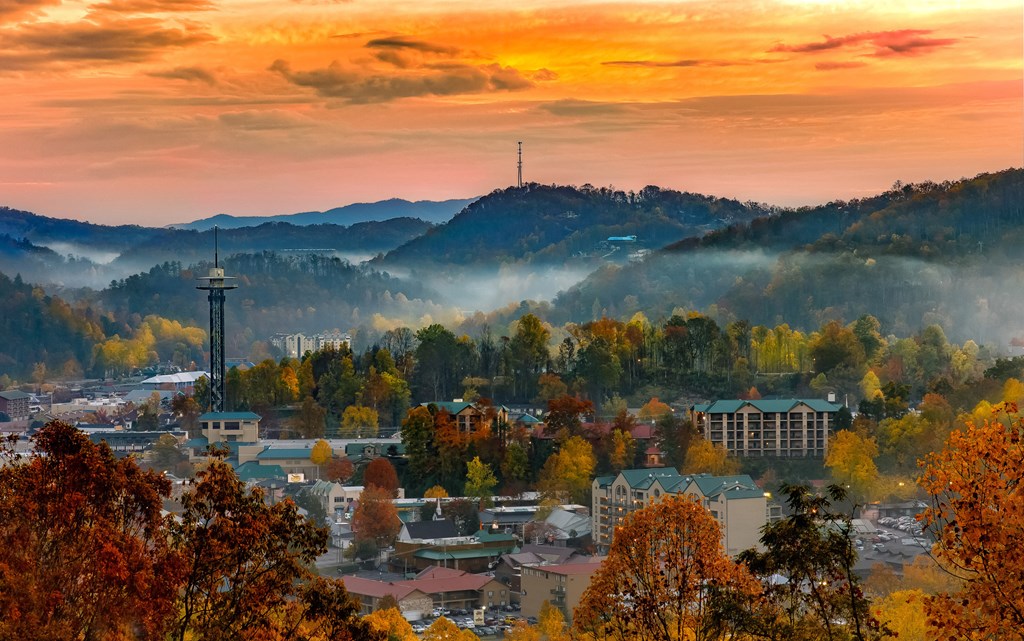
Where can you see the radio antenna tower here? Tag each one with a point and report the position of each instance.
(216, 283)
(520, 164)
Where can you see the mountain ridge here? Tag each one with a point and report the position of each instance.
(431, 211)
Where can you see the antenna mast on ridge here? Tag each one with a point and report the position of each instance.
(520, 164)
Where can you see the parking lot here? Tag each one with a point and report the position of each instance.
(497, 620)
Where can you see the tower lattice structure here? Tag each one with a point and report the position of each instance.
(216, 283)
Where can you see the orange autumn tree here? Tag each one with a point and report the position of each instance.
(664, 576)
(977, 518)
(83, 554)
(247, 563)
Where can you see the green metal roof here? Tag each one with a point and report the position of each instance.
(253, 471)
(199, 441)
(767, 406)
(230, 416)
(604, 481)
(454, 408)
(285, 453)
(440, 555)
(735, 487)
(642, 479)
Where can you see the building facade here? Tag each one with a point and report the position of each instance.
(560, 585)
(768, 428)
(15, 404)
(472, 417)
(738, 505)
(295, 345)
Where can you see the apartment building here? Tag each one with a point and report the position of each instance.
(776, 427)
(295, 345)
(738, 505)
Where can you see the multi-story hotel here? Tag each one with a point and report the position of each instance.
(738, 505)
(780, 427)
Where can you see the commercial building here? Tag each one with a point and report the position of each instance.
(560, 585)
(777, 427)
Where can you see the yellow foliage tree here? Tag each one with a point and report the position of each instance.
(551, 623)
(435, 492)
(523, 631)
(321, 453)
(623, 450)
(391, 624)
(359, 420)
(851, 460)
(1013, 391)
(903, 613)
(977, 519)
(705, 456)
(654, 409)
(444, 630)
(566, 474)
(870, 386)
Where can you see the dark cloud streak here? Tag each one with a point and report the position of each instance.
(191, 74)
(670, 63)
(450, 79)
(886, 43)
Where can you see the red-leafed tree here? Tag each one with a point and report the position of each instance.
(83, 552)
(376, 518)
(381, 473)
(339, 469)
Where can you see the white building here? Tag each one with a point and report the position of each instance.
(295, 345)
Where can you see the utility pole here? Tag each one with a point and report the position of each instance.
(520, 164)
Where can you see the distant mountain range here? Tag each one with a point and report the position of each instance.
(948, 254)
(426, 210)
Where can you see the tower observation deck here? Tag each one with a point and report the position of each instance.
(216, 283)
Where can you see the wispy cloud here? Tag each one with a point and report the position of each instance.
(151, 6)
(670, 63)
(848, 64)
(44, 45)
(886, 43)
(12, 9)
(191, 74)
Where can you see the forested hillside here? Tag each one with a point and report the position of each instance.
(946, 254)
(553, 224)
(43, 335)
(366, 238)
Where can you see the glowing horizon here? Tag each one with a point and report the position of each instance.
(163, 111)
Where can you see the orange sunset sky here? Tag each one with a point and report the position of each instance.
(161, 111)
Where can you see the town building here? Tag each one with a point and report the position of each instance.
(433, 587)
(739, 506)
(472, 417)
(14, 403)
(776, 427)
(560, 585)
(181, 381)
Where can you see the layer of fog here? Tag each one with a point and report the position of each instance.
(98, 256)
